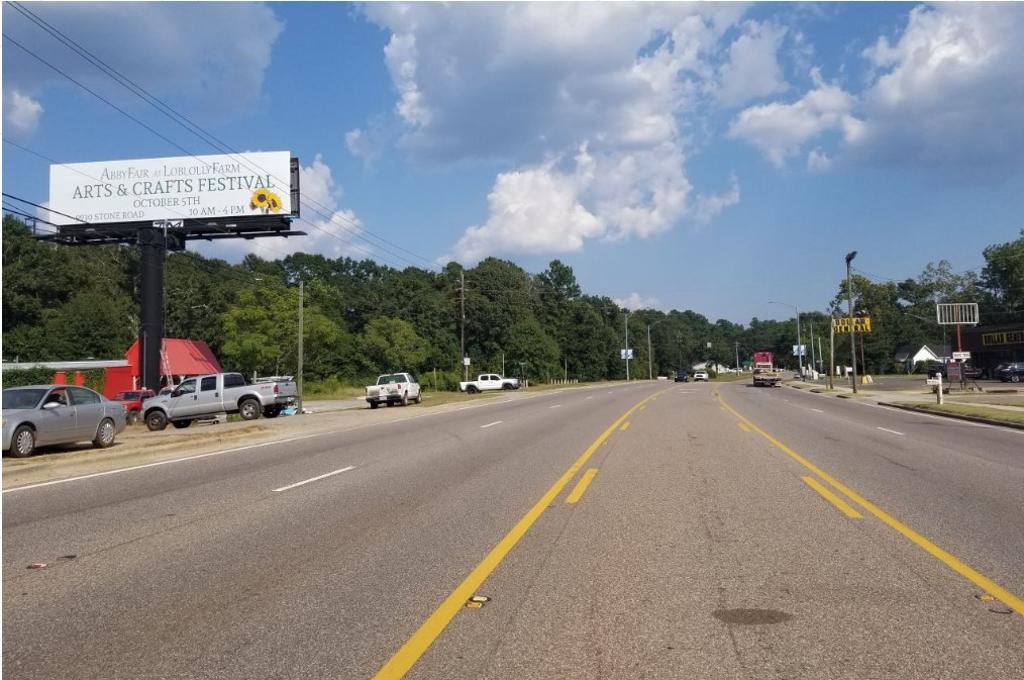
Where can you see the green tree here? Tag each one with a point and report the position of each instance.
(389, 345)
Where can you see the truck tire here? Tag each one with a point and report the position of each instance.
(405, 399)
(156, 421)
(181, 424)
(507, 386)
(105, 434)
(471, 389)
(374, 404)
(23, 442)
(271, 412)
(249, 409)
(419, 398)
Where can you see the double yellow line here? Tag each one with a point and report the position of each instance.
(988, 585)
(409, 653)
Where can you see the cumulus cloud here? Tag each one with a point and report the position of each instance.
(332, 231)
(709, 207)
(635, 301)
(210, 58)
(949, 90)
(591, 137)
(780, 130)
(21, 114)
(752, 70)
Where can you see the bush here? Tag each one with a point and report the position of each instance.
(20, 377)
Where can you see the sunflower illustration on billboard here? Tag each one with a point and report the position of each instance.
(265, 201)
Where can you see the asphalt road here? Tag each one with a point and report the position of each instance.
(692, 546)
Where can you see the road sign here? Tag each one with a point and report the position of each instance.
(933, 381)
(961, 356)
(465, 361)
(625, 353)
(800, 350)
(954, 372)
(857, 324)
(957, 313)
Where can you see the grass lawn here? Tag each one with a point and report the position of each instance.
(997, 414)
(731, 377)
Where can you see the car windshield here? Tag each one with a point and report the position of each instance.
(391, 379)
(127, 396)
(22, 398)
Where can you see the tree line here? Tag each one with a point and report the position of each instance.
(362, 318)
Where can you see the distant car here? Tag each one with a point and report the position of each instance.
(132, 402)
(394, 388)
(40, 415)
(1012, 372)
(682, 376)
(700, 375)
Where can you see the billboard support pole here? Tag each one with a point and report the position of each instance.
(152, 252)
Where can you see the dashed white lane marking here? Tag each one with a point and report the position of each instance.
(818, 410)
(885, 429)
(589, 397)
(317, 478)
(496, 422)
(555, 406)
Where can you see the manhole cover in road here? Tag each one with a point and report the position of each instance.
(751, 617)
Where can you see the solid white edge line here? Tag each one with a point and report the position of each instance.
(885, 429)
(496, 422)
(317, 478)
(817, 410)
(209, 454)
(160, 462)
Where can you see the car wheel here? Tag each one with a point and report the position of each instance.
(471, 389)
(249, 409)
(506, 386)
(405, 399)
(374, 404)
(1015, 378)
(23, 443)
(132, 417)
(156, 421)
(181, 424)
(419, 398)
(104, 434)
(271, 412)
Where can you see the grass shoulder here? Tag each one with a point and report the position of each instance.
(973, 410)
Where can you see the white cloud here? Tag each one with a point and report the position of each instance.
(635, 301)
(21, 114)
(209, 57)
(709, 207)
(524, 85)
(780, 130)
(332, 231)
(753, 69)
(818, 160)
(949, 90)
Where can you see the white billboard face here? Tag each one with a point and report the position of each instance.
(184, 187)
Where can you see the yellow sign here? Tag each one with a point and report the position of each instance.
(1007, 338)
(858, 324)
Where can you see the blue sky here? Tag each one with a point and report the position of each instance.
(707, 157)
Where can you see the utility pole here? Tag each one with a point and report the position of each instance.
(502, 364)
(831, 353)
(462, 326)
(625, 330)
(849, 302)
(298, 381)
(821, 356)
(812, 344)
(736, 346)
(799, 345)
(565, 364)
(650, 361)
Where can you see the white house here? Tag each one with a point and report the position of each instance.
(910, 355)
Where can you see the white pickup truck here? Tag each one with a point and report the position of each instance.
(206, 396)
(394, 388)
(489, 381)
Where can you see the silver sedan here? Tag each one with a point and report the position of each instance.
(40, 415)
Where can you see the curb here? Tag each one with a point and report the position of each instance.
(956, 416)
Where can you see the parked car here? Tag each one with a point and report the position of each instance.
(40, 415)
(682, 376)
(206, 396)
(1012, 372)
(132, 400)
(394, 388)
(700, 375)
(489, 381)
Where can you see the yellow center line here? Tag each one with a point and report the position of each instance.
(581, 486)
(625, 426)
(743, 426)
(977, 578)
(410, 652)
(832, 498)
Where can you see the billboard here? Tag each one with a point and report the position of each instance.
(858, 324)
(184, 187)
(625, 353)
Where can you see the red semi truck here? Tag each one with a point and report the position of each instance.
(765, 374)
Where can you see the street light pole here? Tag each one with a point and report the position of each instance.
(625, 332)
(650, 363)
(849, 302)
